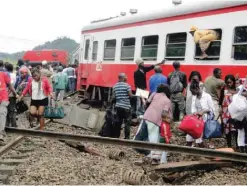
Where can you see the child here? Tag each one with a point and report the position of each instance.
(165, 133)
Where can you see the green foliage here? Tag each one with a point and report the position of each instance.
(61, 43)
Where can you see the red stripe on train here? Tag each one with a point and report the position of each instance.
(168, 19)
(109, 74)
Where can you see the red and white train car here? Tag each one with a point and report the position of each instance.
(110, 47)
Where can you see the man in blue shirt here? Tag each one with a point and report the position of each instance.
(157, 79)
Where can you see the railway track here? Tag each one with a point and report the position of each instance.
(8, 163)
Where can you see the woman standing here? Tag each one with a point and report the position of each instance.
(229, 130)
(194, 76)
(152, 118)
(200, 104)
(40, 89)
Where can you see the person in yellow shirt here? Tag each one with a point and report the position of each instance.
(203, 38)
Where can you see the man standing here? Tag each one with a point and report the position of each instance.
(141, 83)
(213, 86)
(122, 93)
(45, 71)
(5, 83)
(157, 79)
(70, 71)
(178, 82)
(60, 83)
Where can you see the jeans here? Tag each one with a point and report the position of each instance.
(178, 99)
(3, 116)
(139, 107)
(124, 115)
(59, 94)
(11, 116)
(72, 84)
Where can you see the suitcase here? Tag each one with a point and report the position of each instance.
(192, 125)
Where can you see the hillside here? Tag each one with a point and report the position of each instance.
(62, 43)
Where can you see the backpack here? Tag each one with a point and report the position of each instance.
(175, 83)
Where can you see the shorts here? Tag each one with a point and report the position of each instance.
(38, 103)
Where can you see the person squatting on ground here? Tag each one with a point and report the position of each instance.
(5, 86)
(40, 89)
(122, 93)
(199, 104)
(60, 83)
(177, 81)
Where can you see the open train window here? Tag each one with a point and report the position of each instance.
(176, 46)
(213, 50)
(86, 49)
(95, 51)
(149, 47)
(128, 49)
(240, 43)
(110, 49)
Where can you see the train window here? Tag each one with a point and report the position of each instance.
(128, 49)
(86, 49)
(95, 50)
(110, 49)
(176, 46)
(240, 43)
(149, 47)
(213, 50)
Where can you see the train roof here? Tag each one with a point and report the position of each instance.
(182, 9)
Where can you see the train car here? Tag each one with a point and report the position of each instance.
(51, 56)
(110, 47)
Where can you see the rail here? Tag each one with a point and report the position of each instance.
(237, 157)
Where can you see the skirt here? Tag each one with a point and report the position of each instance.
(38, 103)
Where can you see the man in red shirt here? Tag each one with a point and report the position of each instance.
(5, 83)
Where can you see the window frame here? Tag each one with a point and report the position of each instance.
(237, 44)
(95, 52)
(142, 45)
(216, 58)
(122, 42)
(167, 43)
(110, 59)
(86, 49)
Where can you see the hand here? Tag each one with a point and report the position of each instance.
(163, 61)
(51, 95)
(19, 98)
(237, 76)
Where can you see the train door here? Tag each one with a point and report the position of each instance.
(87, 59)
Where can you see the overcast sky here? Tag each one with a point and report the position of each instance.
(27, 23)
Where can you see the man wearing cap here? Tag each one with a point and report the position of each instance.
(203, 38)
(122, 93)
(141, 82)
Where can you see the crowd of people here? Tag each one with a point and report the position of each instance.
(195, 97)
(34, 86)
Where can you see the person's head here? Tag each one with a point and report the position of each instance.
(44, 64)
(157, 69)
(163, 88)
(20, 62)
(217, 73)
(36, 74)
(140, 62)
(24, 72)
(196, 76)
(230, 81)
(9, 68)
(195, 88)
(1, 63)
(176, 65)
(60, 69)
(6, 64)
(122, 77)
(166, 117)
(193, 29)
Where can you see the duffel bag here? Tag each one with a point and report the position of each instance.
(56, 112)
(212, 128)
(192, 125)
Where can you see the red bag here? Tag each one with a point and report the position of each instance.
(192, 125)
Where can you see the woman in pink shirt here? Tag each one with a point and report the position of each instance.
(159, 102)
